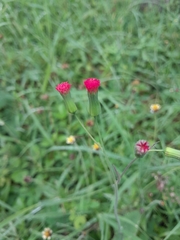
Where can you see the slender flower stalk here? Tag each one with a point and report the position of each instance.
(92, 86)
(64, 89)
(82, 125)
(108, 166)
(154, 108)
(169, 152)
(116, 183)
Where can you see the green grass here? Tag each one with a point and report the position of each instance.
(69, 187)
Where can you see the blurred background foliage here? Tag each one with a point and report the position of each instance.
(133, 48)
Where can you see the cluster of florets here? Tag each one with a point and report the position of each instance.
(92, 85)
(63, 88)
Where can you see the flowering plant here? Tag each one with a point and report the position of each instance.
(142, 147)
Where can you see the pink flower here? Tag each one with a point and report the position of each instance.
(63, 88)
(141, 148)
(92, 85)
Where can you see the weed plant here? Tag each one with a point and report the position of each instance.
(133, 47)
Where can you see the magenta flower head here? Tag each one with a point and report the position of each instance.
(141, 148)
(64, 89)
(92, 86)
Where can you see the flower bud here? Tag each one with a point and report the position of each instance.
(92, 86)
(64, 89)
(141, 148)
(171, 152)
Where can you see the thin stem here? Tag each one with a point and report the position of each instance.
(155, 127)
(106, 162)
(100, 136)
(83, 165)
(95, 142)
(156, 150)
(127, 167)
(82, 125)
(115, 185)
(115, 209)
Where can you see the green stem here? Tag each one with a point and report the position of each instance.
(155, 127)
(82, 125)
(156, 150)
(116, 209)
(101, 140)
(127, 167)
(105, 163)
(115, 185)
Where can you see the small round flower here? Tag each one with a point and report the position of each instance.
(154, 108)
(47, 233)
(63, 88)
(70, 140)
(141, 148)
(95, 146)
(92, 84)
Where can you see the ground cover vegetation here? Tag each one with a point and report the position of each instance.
(45, 182)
